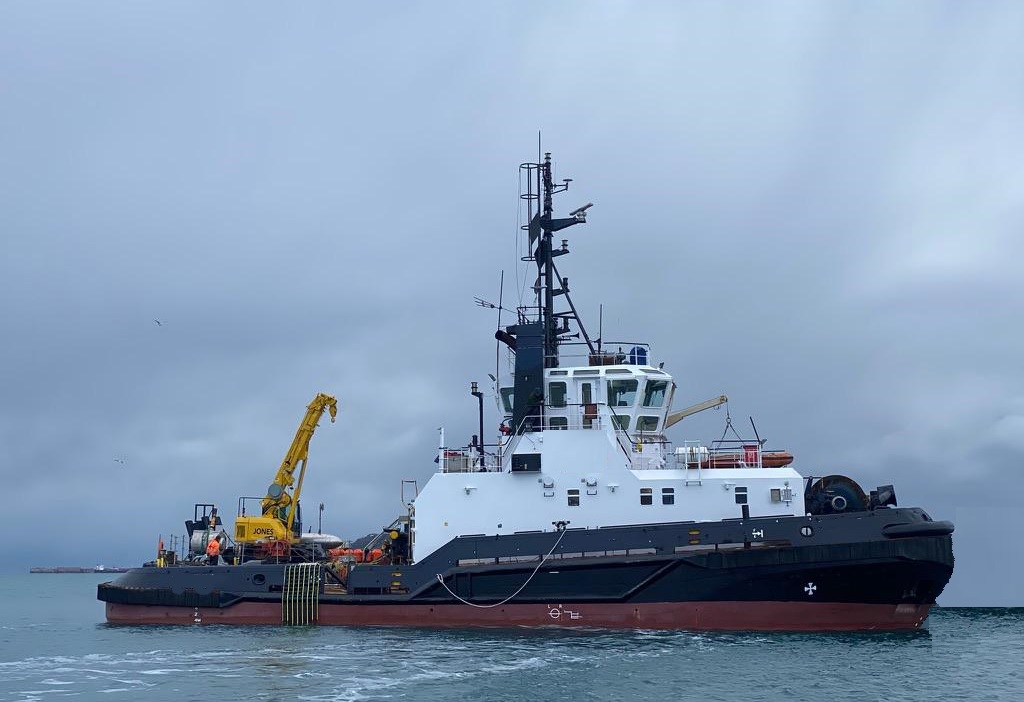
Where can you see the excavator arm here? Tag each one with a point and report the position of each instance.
(694, 409)
(278, 518)
(278, 502)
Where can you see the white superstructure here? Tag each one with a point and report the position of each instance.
(600, 460)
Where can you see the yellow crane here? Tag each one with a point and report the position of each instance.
(278, 518)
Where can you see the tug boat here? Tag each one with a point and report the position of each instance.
(582, 513)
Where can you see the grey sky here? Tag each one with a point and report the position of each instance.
(813, 207)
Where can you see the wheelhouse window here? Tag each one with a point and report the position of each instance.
(556, 394)
(622, 393)
(647, 496)
(621, 421)
(573, 498)
(668, 496)
(647, 424)
(654, 393)
(558, 423)
(507, 395)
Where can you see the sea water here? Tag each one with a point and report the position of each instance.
(54, 645)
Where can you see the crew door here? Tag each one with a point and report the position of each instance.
(588, 405)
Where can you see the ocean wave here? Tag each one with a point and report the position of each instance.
(525, 664)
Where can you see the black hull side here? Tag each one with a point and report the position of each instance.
(911, 570)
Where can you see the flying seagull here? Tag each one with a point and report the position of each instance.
(158, 322)
(119, 460)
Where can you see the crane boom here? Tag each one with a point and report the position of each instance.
(278, 506)
(694, 409)
(278, 502)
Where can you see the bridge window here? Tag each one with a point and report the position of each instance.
(558, 423)
(622, 393)
(647, 496)
(574, 498)
(654, 393)
(668, 496)
(507, 395)
(621, 421)
(646, 423)
(556, 394)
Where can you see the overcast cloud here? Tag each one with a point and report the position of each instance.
(815, 208)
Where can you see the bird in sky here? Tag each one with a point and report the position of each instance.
(158, 322)
(120, 460)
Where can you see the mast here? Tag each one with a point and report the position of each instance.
(545, 255)
(536, 341)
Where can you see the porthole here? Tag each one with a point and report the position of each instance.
(807, 531)
(259, 579)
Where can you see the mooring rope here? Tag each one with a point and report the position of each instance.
(440, 579)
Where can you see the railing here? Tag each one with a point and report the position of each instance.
(694, 456)
(643, 451)
(613, 353)
(653, 454)
(721, 454)
(576, 416)
(467, 459)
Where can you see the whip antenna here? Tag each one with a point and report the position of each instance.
(497, 344)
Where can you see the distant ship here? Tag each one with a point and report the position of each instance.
(582, 514)
(78, 569)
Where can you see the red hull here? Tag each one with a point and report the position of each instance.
(695, 616)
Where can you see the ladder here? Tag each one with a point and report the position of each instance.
(300, 595)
